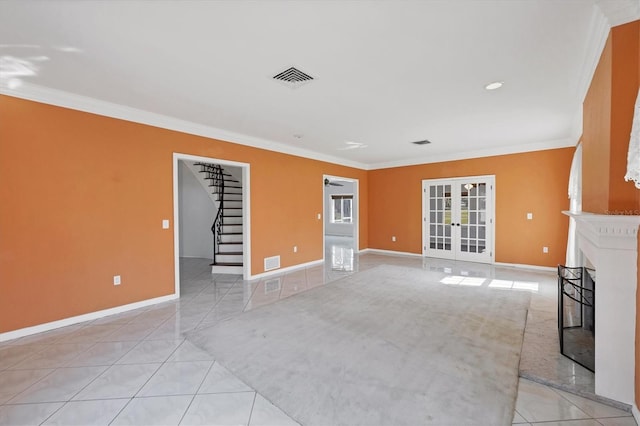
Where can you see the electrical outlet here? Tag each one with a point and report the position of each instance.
(529, 216)
(545, 249)
(393, 238)
(116, 280)
(319, 216)
(165, 224)
(295, 249)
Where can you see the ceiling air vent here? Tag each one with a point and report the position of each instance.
(424, 142)
(293, 78)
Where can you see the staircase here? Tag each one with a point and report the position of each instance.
(227, 225)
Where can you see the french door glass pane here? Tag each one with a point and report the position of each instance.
(472, 212)
(440, 217)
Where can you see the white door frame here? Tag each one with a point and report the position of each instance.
(356, 210)
(492, 231)
(246, 212)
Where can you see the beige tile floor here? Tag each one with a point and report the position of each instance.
(137, 368)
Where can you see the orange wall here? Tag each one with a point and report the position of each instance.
(596, 137)
(608, 114)
(533, 182)
(83, 197)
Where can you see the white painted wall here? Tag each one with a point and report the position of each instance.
(343, 229)
(197, 213)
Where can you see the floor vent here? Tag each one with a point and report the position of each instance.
(293, 78)
(271, 263)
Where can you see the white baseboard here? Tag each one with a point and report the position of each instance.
(524, 266)
(287, 269)
(635, 412)
(389, 252)
(508, 265)
(27, 331)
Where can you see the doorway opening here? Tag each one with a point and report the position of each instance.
(196, 208)
(341, 221)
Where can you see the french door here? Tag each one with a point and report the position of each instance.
(458, 218)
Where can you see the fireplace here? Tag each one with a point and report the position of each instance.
(610, 244)
(576, 314)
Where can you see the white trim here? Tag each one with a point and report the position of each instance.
(82, 103)
(525, 266)
(176, 227)
(40, 328)
(287, 269)
(246, 221)
(635, 412)
(389, 252)
(598, 32)
(609, 231)
(466, 155)
(620, 12)
(246, 211)
(60, 98)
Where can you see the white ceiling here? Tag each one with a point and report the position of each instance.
(387, 72)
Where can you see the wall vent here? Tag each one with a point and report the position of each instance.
(293, 78)
(271, 263)
(424, 142)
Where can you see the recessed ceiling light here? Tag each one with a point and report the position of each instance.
(424, 142)
(493, 86)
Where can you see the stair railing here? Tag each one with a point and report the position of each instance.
(214, 174)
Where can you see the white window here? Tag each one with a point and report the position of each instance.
(341, 208)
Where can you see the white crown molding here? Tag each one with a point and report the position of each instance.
(599, 28)
(489, 152)
(620, 12)
(60, 98)
(82, 103)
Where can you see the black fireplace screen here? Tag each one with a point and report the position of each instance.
(576, 314)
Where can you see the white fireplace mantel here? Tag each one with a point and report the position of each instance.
(610, 243)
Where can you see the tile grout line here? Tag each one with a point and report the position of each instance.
(253, 404)
(197, 390)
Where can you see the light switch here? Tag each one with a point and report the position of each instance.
(165, 224)
(319, 216)
(529, 216)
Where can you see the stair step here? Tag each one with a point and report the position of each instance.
(232, 221)
(227, 264)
